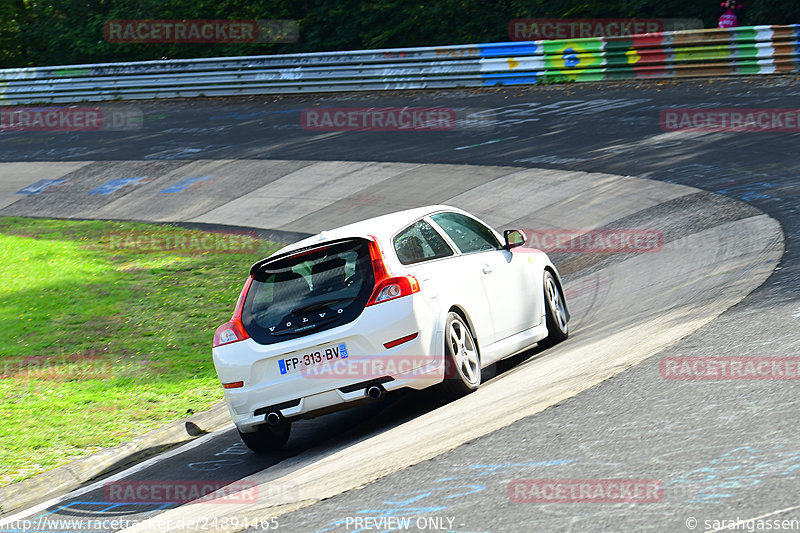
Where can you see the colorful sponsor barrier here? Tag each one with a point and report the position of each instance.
(543, 28)
(746, 50)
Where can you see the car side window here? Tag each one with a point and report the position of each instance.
(420, 242)
(468, 234)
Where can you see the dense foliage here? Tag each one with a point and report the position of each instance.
(51, 32)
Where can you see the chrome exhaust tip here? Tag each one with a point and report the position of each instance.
(375, 392)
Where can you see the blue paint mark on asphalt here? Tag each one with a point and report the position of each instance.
(435, 498)
(488, 470)
(81, 516)
(749, 191)
(114, 185)
(739, 468)
(183, 184)
(42, 185)
(107, 506)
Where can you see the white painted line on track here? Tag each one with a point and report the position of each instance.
(739, 522)
(120, 475)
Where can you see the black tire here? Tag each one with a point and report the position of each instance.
(267, 438)
(462, 359)
(555, 312)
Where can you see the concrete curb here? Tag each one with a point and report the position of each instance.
(74, 474)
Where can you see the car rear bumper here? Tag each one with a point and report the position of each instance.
(300, 392)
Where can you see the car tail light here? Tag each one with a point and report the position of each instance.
(388, 287)
(229, 332)
(233, 330)
(395, 287)
(376, 255)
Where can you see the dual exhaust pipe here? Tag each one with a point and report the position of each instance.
(373, 392)
(274, 418)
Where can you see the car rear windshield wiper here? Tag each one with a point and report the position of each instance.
(320, 305)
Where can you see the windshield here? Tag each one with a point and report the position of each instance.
(308, 291)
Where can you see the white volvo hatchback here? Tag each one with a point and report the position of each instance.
(411, 299)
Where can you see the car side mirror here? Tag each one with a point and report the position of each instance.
(514, 238)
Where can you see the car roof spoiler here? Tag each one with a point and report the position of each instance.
(260, 266)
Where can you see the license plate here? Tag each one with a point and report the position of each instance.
(312, 358)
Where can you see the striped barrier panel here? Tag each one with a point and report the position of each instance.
(693, 53)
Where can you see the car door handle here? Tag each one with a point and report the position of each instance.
(487, 269)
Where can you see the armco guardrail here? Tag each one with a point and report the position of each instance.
(693, 53)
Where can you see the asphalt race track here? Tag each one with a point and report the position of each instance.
(595, 407)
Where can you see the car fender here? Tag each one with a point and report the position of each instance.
(541, 262)
(442, 322)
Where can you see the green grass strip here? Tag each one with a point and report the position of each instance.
(107, 330)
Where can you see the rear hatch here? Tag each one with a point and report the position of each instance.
(309, 290)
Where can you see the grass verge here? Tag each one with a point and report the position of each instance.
(107, 332)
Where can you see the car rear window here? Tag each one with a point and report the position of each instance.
(308, 291)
